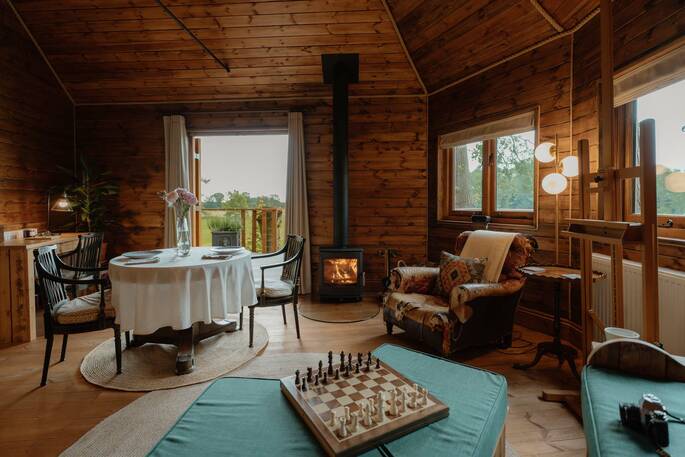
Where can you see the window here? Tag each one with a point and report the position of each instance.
(665, 107)
(494, 175)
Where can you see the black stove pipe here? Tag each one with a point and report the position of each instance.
(340, 70)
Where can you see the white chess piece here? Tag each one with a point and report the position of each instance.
(366, 409)
(347, 414)
(424, 397)
(403, 400)
(333, 422)
(342, 433)
(393, 403)
(354, 420)
(380, 411)
(412, 399)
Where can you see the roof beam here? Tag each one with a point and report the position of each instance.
(178, 20)
(548, 17)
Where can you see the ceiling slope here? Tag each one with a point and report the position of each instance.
(121, 51)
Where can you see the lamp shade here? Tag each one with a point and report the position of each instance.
(675, 182)
(543, 152)
(569, 166)
(61, 204)
(554, 183)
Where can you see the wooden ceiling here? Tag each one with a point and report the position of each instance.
(450, 40)
(122, 51)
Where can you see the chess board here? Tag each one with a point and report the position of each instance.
(315, 406)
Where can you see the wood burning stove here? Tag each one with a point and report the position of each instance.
(342, 274)
(342, 267)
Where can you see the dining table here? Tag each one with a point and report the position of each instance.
(166, 298)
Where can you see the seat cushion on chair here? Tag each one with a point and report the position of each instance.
(275, 288)
(429, 311)
(84, 309)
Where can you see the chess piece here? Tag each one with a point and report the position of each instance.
(349, 359)
(378, 363)
(297, 377)
(325, 379)
(403, 400)
(366, 420)
(347, 413)
(316, 380)
(330, 363)
(342, 359)
(304, 385)
(393, 404)
(412, 399)
(309, 374)
(354, 421)
(368, 359)
(359, 358)
(337, 374)
(320, 368)
(347, 371)
(380, 412)
(342, 433)
(333, 421)
(356, 369)
(424, 397)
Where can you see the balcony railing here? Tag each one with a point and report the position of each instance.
(262, 229)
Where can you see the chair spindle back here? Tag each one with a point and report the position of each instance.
(294, 247)
(88, 251)
(46, 262)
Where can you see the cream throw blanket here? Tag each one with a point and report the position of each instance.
(492, 245)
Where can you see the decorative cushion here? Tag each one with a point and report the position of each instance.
(275, 288)
(84, 309)
(455, 270)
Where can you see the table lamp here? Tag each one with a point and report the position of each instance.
(60, 205)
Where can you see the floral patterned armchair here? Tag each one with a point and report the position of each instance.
(474, 315)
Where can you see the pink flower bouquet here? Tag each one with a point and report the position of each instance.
(180, 199)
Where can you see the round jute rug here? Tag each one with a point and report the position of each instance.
(151, 366)
(339, 313)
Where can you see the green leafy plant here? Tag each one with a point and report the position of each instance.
(91, 195)
(226, 223)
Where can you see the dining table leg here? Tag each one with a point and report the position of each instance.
(185, 357)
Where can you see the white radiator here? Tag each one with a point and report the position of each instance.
(671, 301)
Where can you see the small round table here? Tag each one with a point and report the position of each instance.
(181, 300)
(557, 275)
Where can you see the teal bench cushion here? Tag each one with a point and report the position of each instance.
(602, 390)
(237, 416)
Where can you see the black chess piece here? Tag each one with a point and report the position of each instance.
(337, 374)
(342, 359)
(368, 359)
(347, 371)
(316, 380)
(309, 374)
(297, 377)
(304, 385)
(320, 368)
(356, 369)
(330, 363)
(359, 358)
(349, 359)
(378, 363)
(367, 368)
(325, 378)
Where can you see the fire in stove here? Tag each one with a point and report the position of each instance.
(340, 271)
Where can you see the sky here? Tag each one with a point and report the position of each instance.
(248, 163)
(667, 107)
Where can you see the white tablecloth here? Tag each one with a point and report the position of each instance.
(178, 291)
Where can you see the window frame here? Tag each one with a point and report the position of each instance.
(626, 118)
(446, 211)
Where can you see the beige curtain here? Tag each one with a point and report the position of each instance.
(177, 168)
(296, 207)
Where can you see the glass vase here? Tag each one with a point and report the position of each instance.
(182, 235)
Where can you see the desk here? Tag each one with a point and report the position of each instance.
(17, 285)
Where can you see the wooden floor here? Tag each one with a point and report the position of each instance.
(44, 421)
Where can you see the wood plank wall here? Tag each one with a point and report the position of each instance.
(36, 128)
(562, 79)
(388, 179)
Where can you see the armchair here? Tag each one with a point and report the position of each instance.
(284, 290)
(473, 315)
(77, 315)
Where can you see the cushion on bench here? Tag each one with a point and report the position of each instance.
(601, 392)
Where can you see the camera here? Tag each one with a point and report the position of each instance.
(649, 416)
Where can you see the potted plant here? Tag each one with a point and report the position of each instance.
(225, 230)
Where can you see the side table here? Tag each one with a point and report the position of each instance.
(556, 275)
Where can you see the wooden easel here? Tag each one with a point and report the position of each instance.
(616, 234)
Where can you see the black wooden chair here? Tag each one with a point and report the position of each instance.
(63, 315)
(283, 291)
(85, 258)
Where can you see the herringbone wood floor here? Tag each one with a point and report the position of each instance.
(44, 421)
